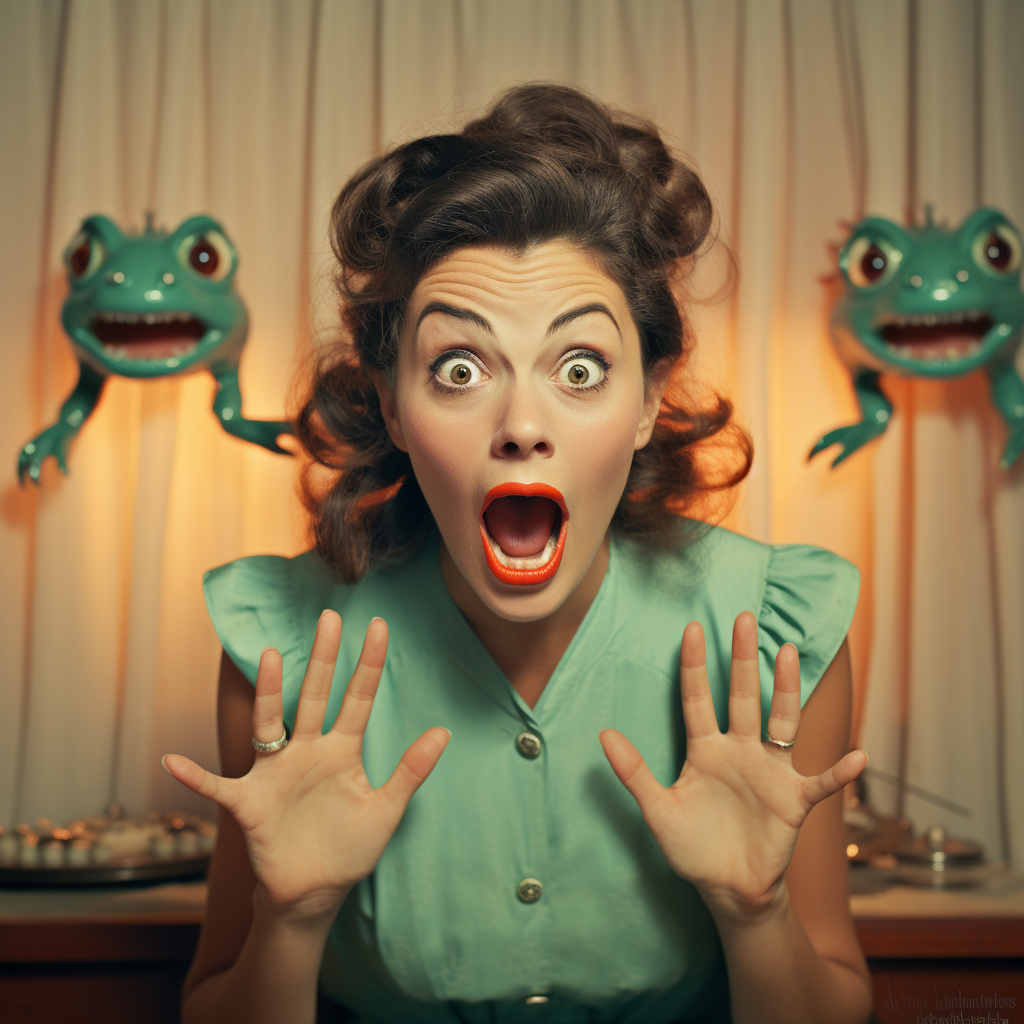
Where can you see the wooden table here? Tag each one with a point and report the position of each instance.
(120, 955)
(942, 955)
(101, 956)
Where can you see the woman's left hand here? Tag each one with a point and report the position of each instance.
(730, 821)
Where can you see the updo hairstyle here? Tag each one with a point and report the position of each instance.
(545, 162)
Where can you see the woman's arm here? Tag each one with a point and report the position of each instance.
(800, 961)
(249, 965)
(733, 824)
(299, 829)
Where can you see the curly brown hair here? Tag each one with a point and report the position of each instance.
(545, 162)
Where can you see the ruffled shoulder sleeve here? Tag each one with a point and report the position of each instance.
(265, 601)
(809, 598)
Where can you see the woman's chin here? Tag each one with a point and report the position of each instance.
(515, 599)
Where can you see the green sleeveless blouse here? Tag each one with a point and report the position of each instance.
(440, 932)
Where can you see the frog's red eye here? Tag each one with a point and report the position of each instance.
(209, 255)
(873, 263)
(203, 258)
(78, 261)
(997, 252)
(998, 249)
(869, 262)
(83, 255)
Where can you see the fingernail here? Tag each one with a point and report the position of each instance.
(269, 647)
(447, 731)
(163, 762)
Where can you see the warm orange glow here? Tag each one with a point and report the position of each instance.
(61, 833)
(852, 850)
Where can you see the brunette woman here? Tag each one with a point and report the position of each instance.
(506, 498)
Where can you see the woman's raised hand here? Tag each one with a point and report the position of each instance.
(730, 821)
(313, 824)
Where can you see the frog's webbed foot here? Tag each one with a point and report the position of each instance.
(875, 411)
(1008, 395)
(262, 432)
(52, 441)
(1014, 446)
(851, 438)
(228, 407)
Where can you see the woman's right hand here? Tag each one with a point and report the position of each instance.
(313, 824)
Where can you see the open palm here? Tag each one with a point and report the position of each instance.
(730, 821)
(313, 824)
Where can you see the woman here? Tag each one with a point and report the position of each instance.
(507, 509)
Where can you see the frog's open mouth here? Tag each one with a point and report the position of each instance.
(523, 528)
(150, 336)
(950, 336)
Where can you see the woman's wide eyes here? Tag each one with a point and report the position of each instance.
(581, 371)
(460, 371)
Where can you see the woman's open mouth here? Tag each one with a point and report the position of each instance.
(523, 527)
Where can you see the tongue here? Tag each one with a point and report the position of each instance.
(521, 525)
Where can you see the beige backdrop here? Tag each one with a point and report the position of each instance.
(800, 113)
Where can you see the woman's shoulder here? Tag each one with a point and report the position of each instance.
(799, 593)
(274, 600)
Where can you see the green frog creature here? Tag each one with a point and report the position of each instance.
(146, 305)
(927, 301)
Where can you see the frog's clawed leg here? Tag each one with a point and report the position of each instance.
(1008, 394)
(228, 407)
(54, 440)
(875, 411)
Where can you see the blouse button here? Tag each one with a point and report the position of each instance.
(529, 890)
(536, 1000)
(528, 744)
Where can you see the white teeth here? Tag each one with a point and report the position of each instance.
(169, 317)
(530, 562)
(952, 353)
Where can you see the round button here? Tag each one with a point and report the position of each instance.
(528, 744)
(529, 890)
(536, 1000)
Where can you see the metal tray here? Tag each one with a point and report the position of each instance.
(136, 871)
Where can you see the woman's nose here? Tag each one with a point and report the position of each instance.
(522, 431)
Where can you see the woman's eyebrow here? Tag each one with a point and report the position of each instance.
(573, 314)
(454, 311)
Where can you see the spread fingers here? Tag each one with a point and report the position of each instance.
(223, 792)
(784, 718)
(745, 679)
(362, 687)
(698, 707)
(316, 684)
(267, 714)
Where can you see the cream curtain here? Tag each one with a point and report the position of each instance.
(801, 114)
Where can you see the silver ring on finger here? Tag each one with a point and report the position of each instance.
(274, 746)
(780, 744)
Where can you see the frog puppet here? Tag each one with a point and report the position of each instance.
(152, 304)
(928, 301)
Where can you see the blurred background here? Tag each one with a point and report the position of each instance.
(802, 115)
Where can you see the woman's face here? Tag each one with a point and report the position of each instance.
(519, 396)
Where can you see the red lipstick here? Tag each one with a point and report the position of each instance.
(523, 576)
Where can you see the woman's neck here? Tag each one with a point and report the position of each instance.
(527, 652)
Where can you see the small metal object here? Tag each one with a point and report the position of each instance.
(780, 744)
(270, 748)
(528, 744)
(529, 890)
